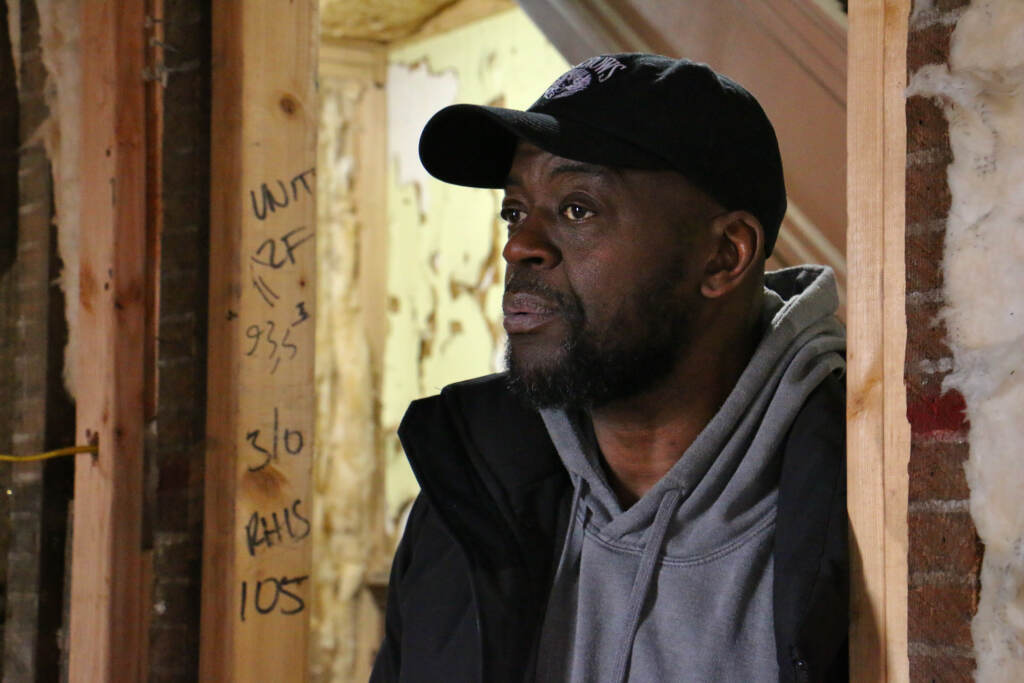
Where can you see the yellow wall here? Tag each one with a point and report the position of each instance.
(444, 263)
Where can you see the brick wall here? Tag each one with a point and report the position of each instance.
(35, 412)
(945, 553)
(29, 310)
(41, 412)
(8, 249)
(175, 476)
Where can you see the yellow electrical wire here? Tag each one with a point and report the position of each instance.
(71, 450)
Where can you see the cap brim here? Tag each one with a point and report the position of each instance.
(473, 145)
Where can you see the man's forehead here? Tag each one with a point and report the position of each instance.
(554, 164)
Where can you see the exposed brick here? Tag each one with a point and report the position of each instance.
(177, 432)
(23, 571)
(174, 471)
(179, 338)
(928, 45)
(9, 176)
(27, 408)
(172, 648)
(180, 209)
(186, 142)
(937, 471)
(176, 555)
(930, 411)
(941, 669)
(174, 510)
(928, 195)
(924, 252)
(924, 372)
(179, 386)
(26, 497)
(926, 337)
(926, 125)
(179, 673)
(941, 541)
(25, 540)
(176, 601)
(941, 615)
(182, 258)
(180, 295)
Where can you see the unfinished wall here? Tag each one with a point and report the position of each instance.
(46, 50)
(944, 556)
(8, 250)
(348, 509)
(967, 68)
(175, 443)
(59, 33)
(41, 415)
(981, 91)
(445, 269)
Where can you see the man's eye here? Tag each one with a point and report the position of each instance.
(510, 215)
(575, 212)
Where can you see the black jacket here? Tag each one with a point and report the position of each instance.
(470, 580)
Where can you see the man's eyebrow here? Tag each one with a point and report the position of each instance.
(568, 168)
(579, 167)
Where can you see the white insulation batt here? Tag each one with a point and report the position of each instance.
(982, 91)
(58, 34)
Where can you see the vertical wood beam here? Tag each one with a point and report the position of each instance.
(260, 407)
(878, 435)
(107, 637)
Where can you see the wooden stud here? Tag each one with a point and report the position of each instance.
(107, 638)
(260, 408)
(878, 435)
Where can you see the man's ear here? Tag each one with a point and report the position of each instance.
(737, 243)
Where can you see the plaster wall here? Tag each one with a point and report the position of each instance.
(346, 521)
(982, 93)
(444, 264)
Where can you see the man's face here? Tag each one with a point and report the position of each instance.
(602, 280)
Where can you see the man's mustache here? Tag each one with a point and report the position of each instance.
(524, 282)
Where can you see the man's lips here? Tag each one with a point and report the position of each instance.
(526, 312)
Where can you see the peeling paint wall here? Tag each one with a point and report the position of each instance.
(982, 91)
(444, 264)
(348, 481)
(409, 280)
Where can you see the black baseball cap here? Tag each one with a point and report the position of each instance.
(632, 111)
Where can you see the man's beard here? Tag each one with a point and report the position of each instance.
(589, 370)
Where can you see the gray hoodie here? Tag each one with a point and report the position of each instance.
(679, 586)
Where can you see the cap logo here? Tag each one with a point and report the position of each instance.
(582, 75)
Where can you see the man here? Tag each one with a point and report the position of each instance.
(655, 490)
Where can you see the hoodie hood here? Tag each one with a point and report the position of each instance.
(715, 508)
(803, 342)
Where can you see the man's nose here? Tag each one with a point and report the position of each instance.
(530, 244)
